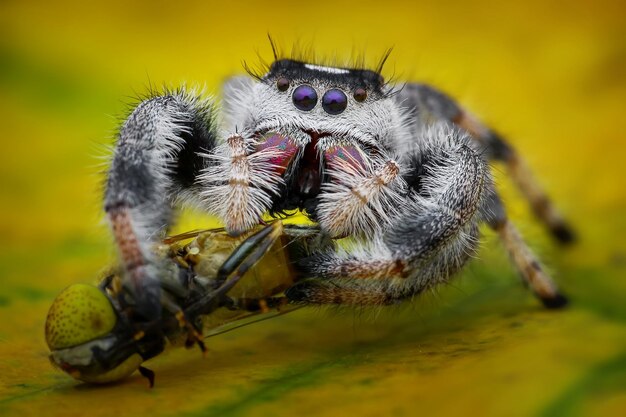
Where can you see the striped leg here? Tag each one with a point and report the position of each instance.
(426, 102)
(155, 163)
(528, 265)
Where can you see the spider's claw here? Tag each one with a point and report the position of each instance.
(563, 233)
(556, 302)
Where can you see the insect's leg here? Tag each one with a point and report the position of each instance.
(148, 374)
(194, 335)
(426, 102)
(428, 242)
(155, 163)
(532, 272)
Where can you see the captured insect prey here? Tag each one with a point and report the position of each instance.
(402, 171)
(95, 335)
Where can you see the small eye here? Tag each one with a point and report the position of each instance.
(282, 84)
(360, 94)
(304, 97)
(334, 101)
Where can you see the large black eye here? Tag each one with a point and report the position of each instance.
(304, 97)
(334, 101)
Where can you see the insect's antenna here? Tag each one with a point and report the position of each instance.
(383, 60)
(273, 45)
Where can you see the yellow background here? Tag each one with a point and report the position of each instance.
(551, 76)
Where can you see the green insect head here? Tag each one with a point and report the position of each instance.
(88, 339)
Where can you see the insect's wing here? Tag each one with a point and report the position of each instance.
(245, 318)
(190, 235)
(244, 257)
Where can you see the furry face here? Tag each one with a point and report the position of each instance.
(339, 130)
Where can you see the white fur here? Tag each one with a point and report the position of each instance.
(329, 70)
(357, 202)
(253, 108)
(240, 204)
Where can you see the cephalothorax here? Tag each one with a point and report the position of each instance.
(402, 170)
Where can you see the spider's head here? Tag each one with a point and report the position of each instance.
(326, 112)
(301, 97)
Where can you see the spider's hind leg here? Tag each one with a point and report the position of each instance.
(424, 102)
(528, 265)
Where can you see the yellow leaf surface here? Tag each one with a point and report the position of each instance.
(550, 76)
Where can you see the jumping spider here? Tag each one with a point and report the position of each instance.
(403, 170)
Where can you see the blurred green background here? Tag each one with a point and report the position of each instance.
(551, 76)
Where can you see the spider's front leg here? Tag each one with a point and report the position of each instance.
(429, 239)
(156, 163)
